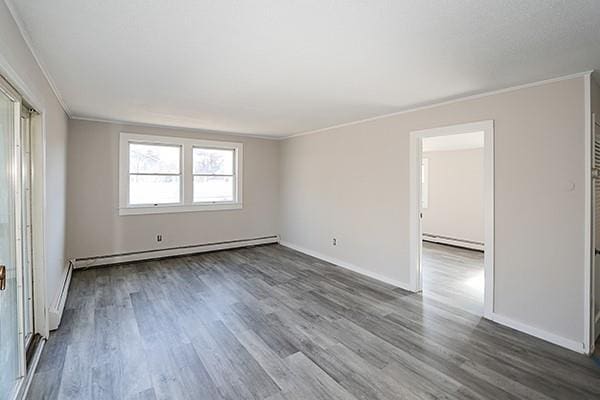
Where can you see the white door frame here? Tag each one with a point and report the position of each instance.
(589, 260)
(38, 154)
(13, 166)
(416, 146)
(595, 318)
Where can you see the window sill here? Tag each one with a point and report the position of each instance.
(169, 209)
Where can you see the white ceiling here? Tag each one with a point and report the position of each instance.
(279, 67)
(463, 141)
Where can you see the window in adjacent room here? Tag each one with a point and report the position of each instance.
(425, 183)
(160, 174)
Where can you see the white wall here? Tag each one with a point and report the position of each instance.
(352, 183)
(18, 65)
(94, 226)
(455, 208)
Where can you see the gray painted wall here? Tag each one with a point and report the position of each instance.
(94, 226)
(352, 183)
(455, 206)
(18, 65)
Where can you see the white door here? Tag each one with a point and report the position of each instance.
(11, 340)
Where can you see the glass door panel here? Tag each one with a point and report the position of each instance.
(10, 343)
(26, 226)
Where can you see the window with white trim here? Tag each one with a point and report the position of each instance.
(163, 174)
(214, 174)
(154, 174)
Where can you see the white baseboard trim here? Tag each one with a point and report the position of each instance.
(56, 308)
(539, 333)
(500, 319)
(347, 265)
(158, 253)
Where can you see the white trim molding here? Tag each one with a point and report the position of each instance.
(432, 104)
(588, 260)
(347, 265)
(175, 127)
(38, 149)
(27, 38)
(435, 103)
(415, 242)
(539, 333)
(170, 209)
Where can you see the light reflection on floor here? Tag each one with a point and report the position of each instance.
(453, 276)
(476, 282)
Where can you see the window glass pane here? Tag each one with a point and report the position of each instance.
(425, 183)
(213, 161)
(213, 188)
(153, 189)
(154, 159)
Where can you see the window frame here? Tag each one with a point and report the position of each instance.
(234, 173)
(129, 174)
(424, 183)
(186, 187)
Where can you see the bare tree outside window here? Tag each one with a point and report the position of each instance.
(154, 174)
(214, 178)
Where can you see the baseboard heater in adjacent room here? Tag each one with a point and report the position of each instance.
(140, 255)
(468, 244)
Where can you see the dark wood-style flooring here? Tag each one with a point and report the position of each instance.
(271, 323)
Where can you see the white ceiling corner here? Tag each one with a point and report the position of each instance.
(26, 37)
(280, 68)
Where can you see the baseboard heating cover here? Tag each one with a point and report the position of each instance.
(116, 258)
(56, 308)
(469, 244)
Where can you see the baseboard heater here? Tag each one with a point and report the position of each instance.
(55, 310)
(129, 256)
(469, 244)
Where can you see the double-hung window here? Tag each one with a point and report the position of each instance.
(163, 174)
(154, 174)
(214, 174)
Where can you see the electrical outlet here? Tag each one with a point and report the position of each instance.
(159, 238)
(334, 242)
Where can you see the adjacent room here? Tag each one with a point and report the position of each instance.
(299, 200)
(452, 222)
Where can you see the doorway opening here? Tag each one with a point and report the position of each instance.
(452, 215)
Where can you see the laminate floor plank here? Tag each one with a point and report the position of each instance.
(269, 323)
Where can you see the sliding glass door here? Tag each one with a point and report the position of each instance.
(11, 338)
(26, 175)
